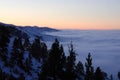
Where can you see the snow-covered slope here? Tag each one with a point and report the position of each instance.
(35, 31)
(30, 31)
(16, 71)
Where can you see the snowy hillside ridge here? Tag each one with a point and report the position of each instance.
(38, 28)
(30, 27)
(35, 31)
(30, 31)
(13, 31)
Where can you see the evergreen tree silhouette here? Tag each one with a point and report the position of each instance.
(79, 70)
(44, 72)
(62, 65)
(70, 66)
(119, 75)
(53, 68)
(43, 52)
(28, 64)
(98, 74)
(27, 44)
(44, 55)
(36, 48)
(17, 53)
(53, 59)
(89, 68)
(20, 53)
(14, 53)
(4, 40)
(111, 77)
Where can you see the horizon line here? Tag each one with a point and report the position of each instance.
(57, 28)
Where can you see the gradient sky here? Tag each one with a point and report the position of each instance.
(62, 14)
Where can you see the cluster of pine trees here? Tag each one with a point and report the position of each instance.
(53, 63)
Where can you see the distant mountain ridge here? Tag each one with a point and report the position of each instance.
(28, 31)
(37, 27)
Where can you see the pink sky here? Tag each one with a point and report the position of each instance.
(62, 14)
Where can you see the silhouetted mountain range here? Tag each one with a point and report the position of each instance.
(29, 31)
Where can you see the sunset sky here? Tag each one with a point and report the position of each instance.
(62, 14)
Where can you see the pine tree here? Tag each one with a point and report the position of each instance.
(44, 72)
(27, 44)
(28, 64)
(70, 68)
(119, 75)
(53, 67)
(61, 64)
(44, 56)
(14, 54)
(43, 52)
(79, 70)
(4, 40)
(54, 58)
(36, 49)
(98, 74)
(17, 53)
(111, 77)
(89, 68)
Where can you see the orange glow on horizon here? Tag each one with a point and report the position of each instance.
(62, 14)
(61, 25)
